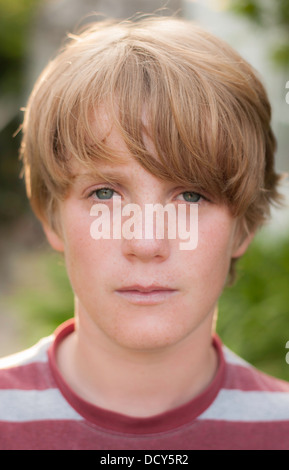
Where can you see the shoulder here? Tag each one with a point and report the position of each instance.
(29, 396)
(248, 395)
(26, 369)
(38, 352)
(244, 376)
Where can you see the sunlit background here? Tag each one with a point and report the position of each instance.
(34, 292)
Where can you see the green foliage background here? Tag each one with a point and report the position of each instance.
(254, 313)
(15, 19)
(268, 14)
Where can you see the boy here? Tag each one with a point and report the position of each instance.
(132, 115)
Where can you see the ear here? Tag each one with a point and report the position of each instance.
(53, 238)
(242, 245)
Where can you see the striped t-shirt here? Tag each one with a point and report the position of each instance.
(241, 409)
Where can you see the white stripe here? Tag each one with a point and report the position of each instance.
(37, 353)
(35, 405)
(238, 405)
(233, 358)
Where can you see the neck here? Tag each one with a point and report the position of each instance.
(136, 382)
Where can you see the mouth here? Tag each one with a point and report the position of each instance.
(146, 295)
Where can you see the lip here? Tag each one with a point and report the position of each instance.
(144, 289)
(146, 295)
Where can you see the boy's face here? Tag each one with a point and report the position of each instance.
(144, 293)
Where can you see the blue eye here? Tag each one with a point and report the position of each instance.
(190, 196)
(104, 193)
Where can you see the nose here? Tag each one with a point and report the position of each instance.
(146, 250)
(147, 243)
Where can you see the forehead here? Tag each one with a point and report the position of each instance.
(106, 125)
(106, 129)
(102, 124)
(127, 172)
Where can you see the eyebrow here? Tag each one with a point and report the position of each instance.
(107, 174)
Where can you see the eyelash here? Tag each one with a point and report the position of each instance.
(195, 193)
(92, 194)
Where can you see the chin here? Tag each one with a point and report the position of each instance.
(149, 338)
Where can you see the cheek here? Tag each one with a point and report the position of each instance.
(86, 259)
(89, 256)
(212, 257)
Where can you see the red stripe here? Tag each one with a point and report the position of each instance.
(33, 376)
(207, 435)
(248, 378)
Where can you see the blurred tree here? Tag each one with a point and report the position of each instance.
(268, 14)
(15, 19)
(254, 313)
(12, 202)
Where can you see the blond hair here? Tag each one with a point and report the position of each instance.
(207, 114)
